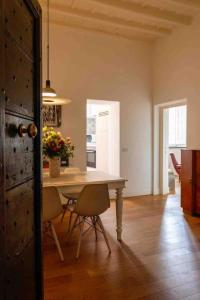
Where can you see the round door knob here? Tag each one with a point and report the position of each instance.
(31, 130)
(22, 130)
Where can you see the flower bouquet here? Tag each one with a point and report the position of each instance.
(56, 147)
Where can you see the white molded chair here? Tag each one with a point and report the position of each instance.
(93, 201)
(52, 208)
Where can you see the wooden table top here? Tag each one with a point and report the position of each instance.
(81, 178)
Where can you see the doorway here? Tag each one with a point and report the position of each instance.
(170, 136)
(103, 136)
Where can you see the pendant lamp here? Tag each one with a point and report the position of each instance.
(49, 95)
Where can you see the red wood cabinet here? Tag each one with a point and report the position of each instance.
(190, 181)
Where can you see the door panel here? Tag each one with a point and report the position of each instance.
(19, 23)
(20, 160)
(2, 206)
(19, 79)
(16, 287)
(20, 149)
(19, 202)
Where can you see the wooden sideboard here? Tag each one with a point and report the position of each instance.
(190, 181)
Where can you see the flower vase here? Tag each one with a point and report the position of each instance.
(54, 167)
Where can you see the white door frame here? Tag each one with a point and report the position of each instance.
(160, 155)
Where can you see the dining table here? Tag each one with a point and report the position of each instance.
(73, 180)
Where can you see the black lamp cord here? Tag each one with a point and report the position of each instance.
(48, 40)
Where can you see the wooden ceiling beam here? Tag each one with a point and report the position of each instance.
(187, 3)
(116, 21)
(148, 12)
(82, 26)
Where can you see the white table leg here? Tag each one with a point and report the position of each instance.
(119, 209)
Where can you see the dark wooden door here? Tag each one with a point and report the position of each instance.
(20, 161)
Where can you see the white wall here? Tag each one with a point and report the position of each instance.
(177, 74)
(94, 66)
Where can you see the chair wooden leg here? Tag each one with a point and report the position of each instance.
(70, 221)
(63, 215)
(94, 221)
(65, 210)
(104, 233)
(80, 238)
(57, 242)
(73, 227)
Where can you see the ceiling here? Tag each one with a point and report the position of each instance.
(132, 19)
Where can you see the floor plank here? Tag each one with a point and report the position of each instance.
(159, 257)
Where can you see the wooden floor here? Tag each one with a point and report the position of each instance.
(158, 259)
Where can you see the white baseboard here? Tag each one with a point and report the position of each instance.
(156, 191)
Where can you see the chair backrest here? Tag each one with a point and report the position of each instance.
(175, 163)
(52, 206)
(93, 200)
